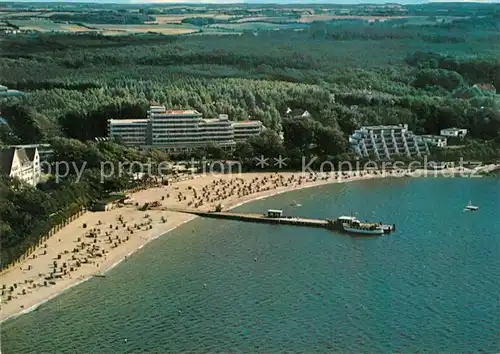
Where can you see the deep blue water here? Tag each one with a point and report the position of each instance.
(431, 287)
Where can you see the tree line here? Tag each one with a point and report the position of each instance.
(74, 84)
(27, 213)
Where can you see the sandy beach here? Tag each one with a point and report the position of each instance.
(98, 241)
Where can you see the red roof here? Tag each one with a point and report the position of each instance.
(179, 111)
(247, 122)
(486, 87)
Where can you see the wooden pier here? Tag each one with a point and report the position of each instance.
(264, 219)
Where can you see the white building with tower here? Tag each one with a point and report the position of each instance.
(22, 163)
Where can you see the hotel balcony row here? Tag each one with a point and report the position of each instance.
(180, 129)
(386, 142)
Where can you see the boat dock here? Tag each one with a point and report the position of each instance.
(278, 219)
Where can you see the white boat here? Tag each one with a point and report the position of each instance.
(470, 207)
(295, 204)
(368, 230)
(354, 226)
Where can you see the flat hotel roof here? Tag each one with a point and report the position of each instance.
(160, 110)
(433, 136)
(128, 121)
(247, 122)
(377, 127)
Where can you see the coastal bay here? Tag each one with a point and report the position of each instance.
(243, 287)
(117, 242)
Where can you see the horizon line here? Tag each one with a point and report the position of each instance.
(251, 2)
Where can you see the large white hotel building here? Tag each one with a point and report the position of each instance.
(388, 142)
(181, 130)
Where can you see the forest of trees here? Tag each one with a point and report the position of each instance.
(75, 83)
(104, 17)
(26, 213)
(345, 75)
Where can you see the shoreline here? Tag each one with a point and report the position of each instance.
(81, 281)
(156, 233)
(88, 277)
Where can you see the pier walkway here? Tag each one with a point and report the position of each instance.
(265, 219)
(255, 218)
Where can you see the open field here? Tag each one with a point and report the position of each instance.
(73, 28)
(50, 26)
(312, 18)
(214, 32)
(19, 14)
(178, 18)
(163, 29)
(48, 14)
(252, 26)
(282, 19)
(47, 26)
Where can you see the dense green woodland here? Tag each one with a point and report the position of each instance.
(346, 74)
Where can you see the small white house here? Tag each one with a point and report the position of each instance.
(435, 140)
(454, 132)
(297, 113)
(22, 163)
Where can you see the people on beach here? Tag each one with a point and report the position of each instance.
(74, 252)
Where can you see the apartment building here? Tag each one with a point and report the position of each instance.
(130, 132)
(246, 129)
(21, 163)
(387, 142)
(175, 128)
(181, 130)
(218, 131)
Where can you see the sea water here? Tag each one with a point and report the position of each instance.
(433, 286)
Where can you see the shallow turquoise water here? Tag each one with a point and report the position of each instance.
(431, 287)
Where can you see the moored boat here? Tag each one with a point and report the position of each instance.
(470, 207)
(352, 225)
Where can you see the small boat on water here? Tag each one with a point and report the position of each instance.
(470, 207)
(352, 225)
(295, 204)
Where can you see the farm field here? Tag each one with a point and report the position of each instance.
(8, 14)
(253, 26)
(48, 14)
(282, 19)
(47, 26)
(73, 28)
(129, 29)
(209, 32)
(173, 19)
(312, 18)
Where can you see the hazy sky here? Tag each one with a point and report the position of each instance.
(403, 2)
(298, 1)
